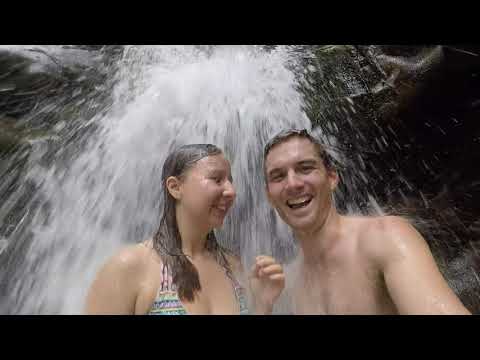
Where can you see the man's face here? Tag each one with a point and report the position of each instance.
(299, 186)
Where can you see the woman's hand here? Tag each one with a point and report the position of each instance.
(267, 281)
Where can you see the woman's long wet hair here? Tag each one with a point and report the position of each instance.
(167, 241)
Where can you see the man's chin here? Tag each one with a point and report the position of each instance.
(299, 224)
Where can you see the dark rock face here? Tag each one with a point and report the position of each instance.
(42, 89)
(414, 113)
(411, 137)
(28, 76)
(436, 123)
(43, 93)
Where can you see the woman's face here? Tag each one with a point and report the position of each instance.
(206, 190)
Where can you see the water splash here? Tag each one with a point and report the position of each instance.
(90, 183)
(106, 193)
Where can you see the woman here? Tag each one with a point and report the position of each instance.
(183, 270)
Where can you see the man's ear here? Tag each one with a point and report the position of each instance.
(173, 185)
(333, 179)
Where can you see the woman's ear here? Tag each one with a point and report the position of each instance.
(333, 179)
(173, 187)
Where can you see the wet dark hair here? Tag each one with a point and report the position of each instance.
(284, 135)
(167, 241)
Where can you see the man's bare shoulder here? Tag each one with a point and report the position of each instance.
(378, 225)
(387, 236)
(393, 228)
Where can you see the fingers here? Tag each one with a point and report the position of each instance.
(260, 263)
(266, 266)
(264, 260)
(277, 277)
(271, 270)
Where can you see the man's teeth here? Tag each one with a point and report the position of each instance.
(298, 201)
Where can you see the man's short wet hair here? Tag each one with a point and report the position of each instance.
(285, 135)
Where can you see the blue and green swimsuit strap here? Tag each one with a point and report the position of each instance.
(240, 293)
(167, 301)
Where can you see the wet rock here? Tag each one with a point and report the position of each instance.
(9, 137)
(30, 75)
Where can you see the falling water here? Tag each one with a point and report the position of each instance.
(88, 182)
(106, 193)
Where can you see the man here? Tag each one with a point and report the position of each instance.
(347, 264)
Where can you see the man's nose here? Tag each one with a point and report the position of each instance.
(294, 182)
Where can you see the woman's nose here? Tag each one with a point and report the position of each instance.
(229, 190)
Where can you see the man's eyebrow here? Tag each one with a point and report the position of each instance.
(308, 162)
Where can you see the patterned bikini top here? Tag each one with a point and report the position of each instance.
(167, 301)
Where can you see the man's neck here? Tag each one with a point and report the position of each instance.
(316, 242)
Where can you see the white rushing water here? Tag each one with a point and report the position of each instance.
(233, 96)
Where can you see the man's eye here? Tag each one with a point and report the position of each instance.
(277, 177)
(306, 169)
